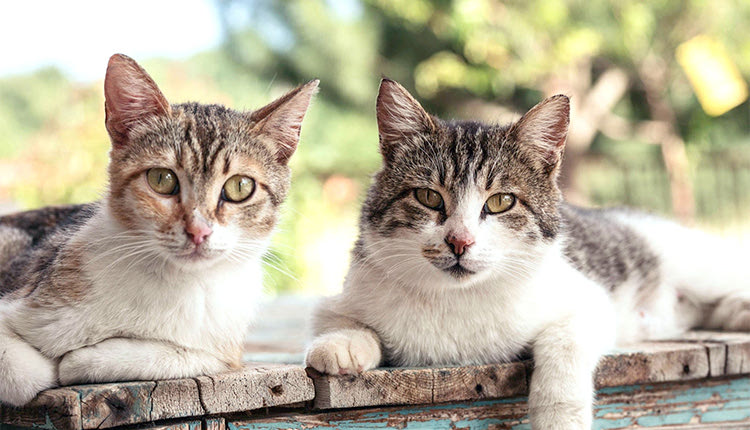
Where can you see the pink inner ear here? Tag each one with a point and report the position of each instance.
(281, 120)
(130, 96)
(398, 113)
(544, 129)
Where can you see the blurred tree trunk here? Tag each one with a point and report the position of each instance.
(653, 74)
(591, 104)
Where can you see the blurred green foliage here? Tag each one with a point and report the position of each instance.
(464, 58)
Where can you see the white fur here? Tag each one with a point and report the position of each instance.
(699, 271)
(521, 296)
(144, 317)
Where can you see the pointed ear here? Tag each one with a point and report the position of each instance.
(130, 96)
(542, 131)
(281, 120)
(399, 115)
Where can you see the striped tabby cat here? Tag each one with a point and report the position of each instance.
(158, 280)
(467, 254)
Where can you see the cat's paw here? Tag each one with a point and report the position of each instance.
(732, 313)
(24, 372)
(77, 366)
(345, 352)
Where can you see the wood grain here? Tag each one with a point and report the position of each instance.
(258, 386)
(57, 409)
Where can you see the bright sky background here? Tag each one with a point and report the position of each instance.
(78, 36)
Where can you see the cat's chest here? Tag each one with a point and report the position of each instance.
(415, 331)
(190, 310)
(204, 311)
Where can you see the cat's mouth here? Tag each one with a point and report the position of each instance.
(198, 253)
(458, 271)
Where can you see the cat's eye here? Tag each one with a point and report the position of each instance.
(430, 198)
(237, 188)
(163, 181)
(499, 203)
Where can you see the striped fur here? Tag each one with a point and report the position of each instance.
(121, 289)
(561, 281)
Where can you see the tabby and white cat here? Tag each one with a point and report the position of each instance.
(158, 280)
(467, 254)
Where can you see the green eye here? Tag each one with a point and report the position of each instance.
(237, 188)
(500, 202)
(430, 198)
(163, 181)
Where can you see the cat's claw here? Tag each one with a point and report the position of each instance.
(345, 352)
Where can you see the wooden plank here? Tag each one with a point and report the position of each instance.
(480, 382)
(254, 387)
(646, 363)
(385, 386)
(729, 352)
(57, 409)
(411, 386)
(705, 404)
(186, 425)
(111, 405)
(175, 398)
(214, 424)
(653, 362)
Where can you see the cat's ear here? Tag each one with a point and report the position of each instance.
(399, 116)
(281, 120)
(543, 130)
(130, 96)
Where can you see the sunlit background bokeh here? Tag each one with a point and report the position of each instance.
(660, 114)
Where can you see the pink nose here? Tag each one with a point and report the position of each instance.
(198, 232)
(459, 243)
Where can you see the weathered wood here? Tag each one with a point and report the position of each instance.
(288, 390)
(390, 386)
(653, 362)
(175, 399)
(646, 363)
(111, 405)
(735, 357)
(58, 409)
(254, 387)
(480, 382)
(126, 403)
(187, 425)
(214, 424)
(706, 404)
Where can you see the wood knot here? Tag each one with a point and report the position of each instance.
(479, 388)
(277, 390)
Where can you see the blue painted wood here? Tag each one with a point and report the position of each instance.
(696, 404)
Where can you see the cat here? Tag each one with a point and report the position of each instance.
(160, 279)
(467, 254)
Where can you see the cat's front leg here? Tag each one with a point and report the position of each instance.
(343, 345)
(566, 353)
(344, 352)
(124, 359)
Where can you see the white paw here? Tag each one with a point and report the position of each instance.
(77, 366)
(345, 352)
(24, 372)
(732, 313)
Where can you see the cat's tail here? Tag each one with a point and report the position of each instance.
(709, 272)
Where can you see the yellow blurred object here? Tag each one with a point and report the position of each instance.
(715, 78)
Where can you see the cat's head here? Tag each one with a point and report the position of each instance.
(459, 202)
(193, 183)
